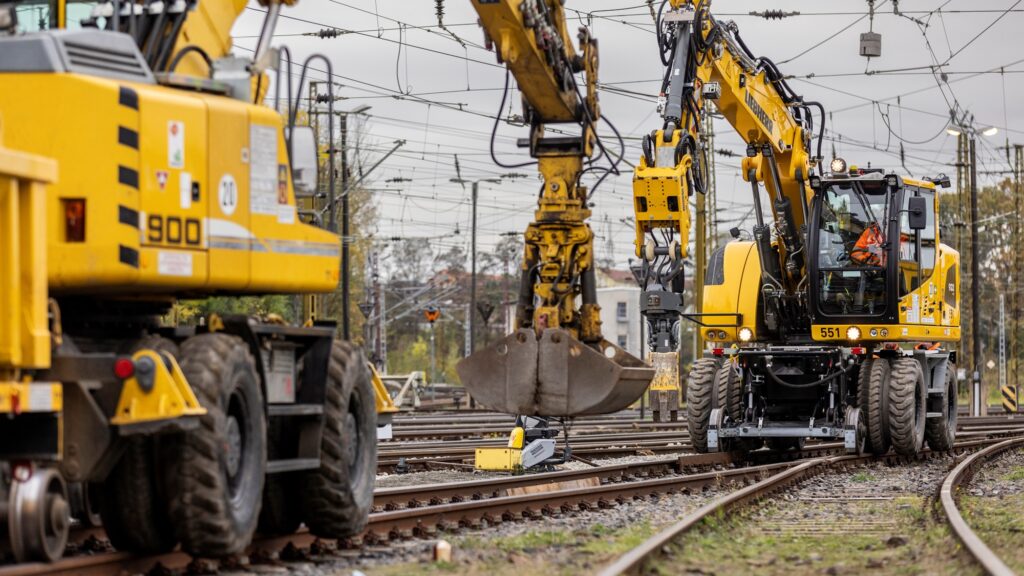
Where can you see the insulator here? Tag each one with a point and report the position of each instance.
(327, 33)
(774, 14)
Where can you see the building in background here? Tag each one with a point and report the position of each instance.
(619, 298)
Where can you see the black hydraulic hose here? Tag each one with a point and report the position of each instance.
(827, 378)
(494, 129)
(160, 62)
(821, 126)
(185, 51)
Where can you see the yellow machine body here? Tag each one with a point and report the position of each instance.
(167, 395)
(173, 167)
(498, 459)
(928, 313)
(733, 293)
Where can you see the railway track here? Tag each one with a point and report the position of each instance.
(426, 510)
(958, 477)
(641, 558)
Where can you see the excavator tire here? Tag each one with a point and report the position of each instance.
(878, 405)
(132, 507)
(701, 396)
(336, 499)
(730, 390)
(216, 472)
(907, 406)
(863, 388)
(941, 432)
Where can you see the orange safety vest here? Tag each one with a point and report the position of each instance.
(868, 249)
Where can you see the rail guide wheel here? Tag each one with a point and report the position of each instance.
(38, 515)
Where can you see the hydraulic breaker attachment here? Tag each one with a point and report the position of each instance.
(664, 391)
(556, 375)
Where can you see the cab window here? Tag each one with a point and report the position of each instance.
(917, 247)
(36, 15)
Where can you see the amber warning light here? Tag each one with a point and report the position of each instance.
(74, 220)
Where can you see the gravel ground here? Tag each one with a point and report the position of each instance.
(877, 518)
(991, 504)
(571, 543)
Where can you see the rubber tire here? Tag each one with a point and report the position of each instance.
(701, 398)
(208, 522)
(908, 406)
(863, 384)
(877, 404)
(729, 390)
(336, 499)
(132, 506)
(940, 433)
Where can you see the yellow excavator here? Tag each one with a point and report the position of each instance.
(137, 168)
(556, 363)
(828, 322)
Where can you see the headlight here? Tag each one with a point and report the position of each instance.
(853, 333)
(722, 335)
(884, 332)
(712, 335)
(838, 166)
(746, 334)
(874, 332)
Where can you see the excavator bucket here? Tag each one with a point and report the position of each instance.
(556, 375)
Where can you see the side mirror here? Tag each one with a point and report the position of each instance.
(917, 213)
(305, 169)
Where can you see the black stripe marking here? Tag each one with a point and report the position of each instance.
(129, 256)
(129, 98)
(128, 216)
(128, 177)
(128, 137)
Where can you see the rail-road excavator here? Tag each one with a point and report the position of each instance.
(829, 321)
(136, 169)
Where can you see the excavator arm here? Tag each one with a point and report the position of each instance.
(557, 363)
(708, 64)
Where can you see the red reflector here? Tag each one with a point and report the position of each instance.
(124, 368)
(74, 220)
(858, 351)
(718, 351)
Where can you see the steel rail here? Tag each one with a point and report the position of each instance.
(633, 562)
(963, 472)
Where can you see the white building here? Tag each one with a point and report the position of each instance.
(620, 317)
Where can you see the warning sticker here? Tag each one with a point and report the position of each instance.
(176, 144)
(161, 179)
(185, 190)
(263, 170)
(174, 263)
(227, 195)
(282, 184)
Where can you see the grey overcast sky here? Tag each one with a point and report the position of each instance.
(440, 97)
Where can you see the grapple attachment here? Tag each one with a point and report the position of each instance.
(556, 375)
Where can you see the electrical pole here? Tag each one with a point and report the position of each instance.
(472, 274)
(962, 184)
(1018, 247)
(979, 400)
(345, 324)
